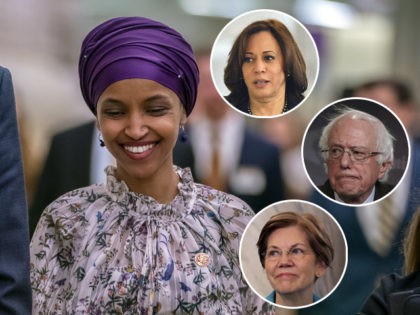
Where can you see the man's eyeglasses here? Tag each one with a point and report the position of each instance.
(355, 154)
(294, 253)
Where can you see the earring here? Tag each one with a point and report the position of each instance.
(101, 142)
(184, 135)
(288, 74)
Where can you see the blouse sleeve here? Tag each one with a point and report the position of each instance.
(236, 215)
(52, 256)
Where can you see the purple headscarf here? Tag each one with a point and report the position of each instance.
(137, 47)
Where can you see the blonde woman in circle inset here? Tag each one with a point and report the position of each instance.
(297, 247)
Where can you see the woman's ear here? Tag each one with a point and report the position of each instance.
(183, 116)
(320, 269)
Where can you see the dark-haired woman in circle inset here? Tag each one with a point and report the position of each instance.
(295, 251)
(266, 72)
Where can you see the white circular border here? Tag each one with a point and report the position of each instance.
(326, 108)
(227, 36)
(314, 206)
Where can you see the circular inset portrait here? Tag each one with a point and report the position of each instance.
(355, 151)
(264, 63)
(293, 254)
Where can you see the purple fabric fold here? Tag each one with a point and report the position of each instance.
(137, 47)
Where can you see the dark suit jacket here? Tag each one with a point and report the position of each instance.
(15, 290)
(394, 296)
(381, 189)
(365, 266)
(256, 152)
(66, 167)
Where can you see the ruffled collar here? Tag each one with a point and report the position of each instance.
(180, 206)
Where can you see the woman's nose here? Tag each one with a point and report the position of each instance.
(285, 260)
(259, 65)
(136, 127)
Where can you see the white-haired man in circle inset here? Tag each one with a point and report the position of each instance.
(358, 153)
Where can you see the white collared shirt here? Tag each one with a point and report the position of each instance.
(370, 198)
(231, 136)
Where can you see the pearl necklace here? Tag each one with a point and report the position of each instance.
(284, 108)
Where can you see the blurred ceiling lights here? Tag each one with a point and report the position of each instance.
(323, 13)
(219, 8)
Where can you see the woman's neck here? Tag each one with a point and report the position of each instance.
(268, 106)
(161, 186)
(295, 299)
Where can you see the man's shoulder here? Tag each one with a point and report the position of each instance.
(4, 72)
(327, 189)
(84, 130)
(381, 189)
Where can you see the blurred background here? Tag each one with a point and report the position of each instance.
(40, 42)
(358, 40)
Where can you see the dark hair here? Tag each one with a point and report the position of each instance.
(294, 64)
(318, 238)
(402, 91)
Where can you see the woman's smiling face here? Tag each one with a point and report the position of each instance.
(139, 120)
(290, 263)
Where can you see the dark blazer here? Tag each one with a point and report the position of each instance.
(395, 295)
(66, 167)
(15, 289)
(365, 267)
(381, 189)
(255, 152)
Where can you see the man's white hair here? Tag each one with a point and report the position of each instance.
(384, 139)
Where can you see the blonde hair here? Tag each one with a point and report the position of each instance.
(411, 245)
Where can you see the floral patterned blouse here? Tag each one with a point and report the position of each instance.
(104, 249)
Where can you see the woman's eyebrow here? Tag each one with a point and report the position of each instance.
(264, 52)
(115, 101)
(292, 246)
(157, 97)
(269, 51)
(111, 101)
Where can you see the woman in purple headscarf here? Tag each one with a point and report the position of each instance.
(149, 240)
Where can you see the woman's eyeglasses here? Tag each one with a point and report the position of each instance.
(294, 253)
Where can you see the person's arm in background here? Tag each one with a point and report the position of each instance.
(15, 290)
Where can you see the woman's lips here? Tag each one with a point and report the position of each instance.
(261, 83)
(139, 148)
(139, 151)
(286, 275)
